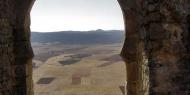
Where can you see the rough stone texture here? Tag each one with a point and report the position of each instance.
(156, 48)
(7, 57)
(159, 31)
(15, 48)
(133, 50)
(169, 60)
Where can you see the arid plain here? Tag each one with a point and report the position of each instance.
(78, 69)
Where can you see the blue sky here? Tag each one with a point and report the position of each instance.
(83, 15)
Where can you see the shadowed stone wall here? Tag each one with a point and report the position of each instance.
(7, 57)
(156, 48)
(159, 31)
(134, 48)
(15, 49)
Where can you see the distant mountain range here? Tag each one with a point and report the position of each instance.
(79, 37)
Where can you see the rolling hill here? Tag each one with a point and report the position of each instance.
(79, 37)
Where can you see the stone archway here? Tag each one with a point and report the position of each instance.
(16, 52)
(156, 47)
(157, 42)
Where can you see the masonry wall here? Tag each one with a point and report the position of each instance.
(159, 31)
(7, 57)
(156, 48)
(15, 49)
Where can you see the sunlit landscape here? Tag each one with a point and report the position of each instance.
(83, 67)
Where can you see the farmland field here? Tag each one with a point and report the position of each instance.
(78, 69)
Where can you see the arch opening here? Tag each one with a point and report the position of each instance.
(80, 50)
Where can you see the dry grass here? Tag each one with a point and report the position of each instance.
(83, 77)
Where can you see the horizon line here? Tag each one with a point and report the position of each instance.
(80, 30)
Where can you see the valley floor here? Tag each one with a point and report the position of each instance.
(78, 69)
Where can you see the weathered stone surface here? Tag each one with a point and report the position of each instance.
(163, 28)
(15, 48)
(156, 48)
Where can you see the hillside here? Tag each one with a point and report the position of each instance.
(79, 37)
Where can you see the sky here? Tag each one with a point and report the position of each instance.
(76, 15)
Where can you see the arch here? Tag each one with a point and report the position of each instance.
(150, 39)
(21, 65)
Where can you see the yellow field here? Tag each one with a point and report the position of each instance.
(95, 74)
